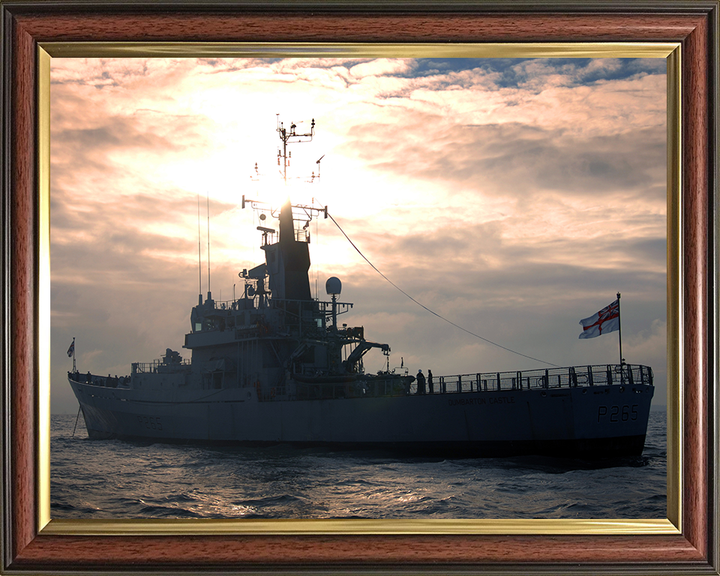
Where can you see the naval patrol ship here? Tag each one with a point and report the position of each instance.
(275, 366)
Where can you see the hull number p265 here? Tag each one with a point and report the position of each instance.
(617, 413)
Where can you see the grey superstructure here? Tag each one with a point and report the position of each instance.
(275, 366)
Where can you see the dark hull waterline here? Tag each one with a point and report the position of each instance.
(591, 449)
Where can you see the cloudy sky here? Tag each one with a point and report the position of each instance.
(511, 196)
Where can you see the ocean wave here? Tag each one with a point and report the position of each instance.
(115, 479)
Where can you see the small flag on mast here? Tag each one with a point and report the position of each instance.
(607, 320)
(71, 350)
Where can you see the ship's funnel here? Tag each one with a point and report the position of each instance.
(333, 286)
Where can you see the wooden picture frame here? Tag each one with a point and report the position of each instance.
(29, 546)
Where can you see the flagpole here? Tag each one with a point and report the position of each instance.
(622, 361)
(73, 346)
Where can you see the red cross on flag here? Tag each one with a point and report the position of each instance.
(607, 320)
(71, 350)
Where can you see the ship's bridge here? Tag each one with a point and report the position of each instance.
(217, 322)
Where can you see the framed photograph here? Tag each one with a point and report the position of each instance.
(397, 173)
(38, 39)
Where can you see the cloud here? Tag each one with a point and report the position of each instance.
(510, 196)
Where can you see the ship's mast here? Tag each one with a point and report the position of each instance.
(289, 255)
(290, 136)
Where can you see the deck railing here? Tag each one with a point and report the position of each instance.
(158, 366)
(566, 377)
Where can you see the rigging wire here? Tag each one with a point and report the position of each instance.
(428, 309)
(199, 250)
(208, 239)
(317, 238)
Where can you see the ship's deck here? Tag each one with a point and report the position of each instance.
(564, 377)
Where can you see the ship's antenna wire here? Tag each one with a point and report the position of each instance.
(428, 309)
(317, 272)
(208, 235)
(317, 238)
(199, 250)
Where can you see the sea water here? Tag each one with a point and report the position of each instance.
(113, 479)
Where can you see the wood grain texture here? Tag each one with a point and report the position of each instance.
(22, 294)
(219, 552)
(689, 552)
(697, 231)
(331, 27)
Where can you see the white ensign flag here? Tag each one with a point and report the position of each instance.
(607, 320)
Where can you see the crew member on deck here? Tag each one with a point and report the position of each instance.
(430, 381)
(421, 382)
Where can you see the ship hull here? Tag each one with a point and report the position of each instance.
(585, 422)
